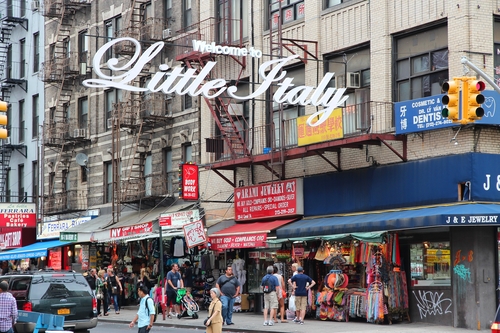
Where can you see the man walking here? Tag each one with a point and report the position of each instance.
(301, 284)
(8, 309)
(174, 282)
(270, 286)
(145, 316)
(229, 288)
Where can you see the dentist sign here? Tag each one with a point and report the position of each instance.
(199, 83)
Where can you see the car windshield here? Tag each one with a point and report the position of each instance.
(47, 287)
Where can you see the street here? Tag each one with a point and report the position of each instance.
(122, 328)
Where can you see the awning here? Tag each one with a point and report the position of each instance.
(244, 235)
(34, 250)
(466, 214)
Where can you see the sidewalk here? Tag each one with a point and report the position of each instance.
(251, 322)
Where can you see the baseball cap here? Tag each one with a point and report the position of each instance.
(300, 269)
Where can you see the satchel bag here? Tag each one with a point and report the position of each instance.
(205, 321)
(114, 291)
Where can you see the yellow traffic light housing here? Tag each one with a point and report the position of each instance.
(4, 107)
(451, 99)
(472, 100)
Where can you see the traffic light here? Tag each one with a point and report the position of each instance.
(452, 89)
(474, 100)
(4, 107)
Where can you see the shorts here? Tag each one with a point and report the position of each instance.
(171, 297)
(301, 303)
(270, 300)
(143, 329)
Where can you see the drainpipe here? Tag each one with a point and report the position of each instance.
(252, 117)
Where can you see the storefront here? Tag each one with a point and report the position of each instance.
(445, 223)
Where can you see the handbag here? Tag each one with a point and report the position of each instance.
(114, 291)
(205, 321)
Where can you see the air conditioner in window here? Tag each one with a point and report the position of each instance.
(109, 123)
(235, 109)
(167, 33)
(35, 5)
(79, 133)
(352, 80)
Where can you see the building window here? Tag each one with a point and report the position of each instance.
(290, 11)
(83, 174)
(168, 11)
(66, 111)
(169, 171)
(83, 47)
(22, 121)
(34, 179)
(20, 183)
(233, 20)
(52, 179)
(34, 116)
(23, 8)
(430, 263)
(187, 19)
(83, 111)
(9, 62)
(421, 64)
(112, 96)
(187, 102)
(112, 28)
(22, 58)
(108, 182)
(36, 52)
(187, 152)
(332, 3)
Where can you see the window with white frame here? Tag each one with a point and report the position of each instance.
(233, 18)
(285, 10)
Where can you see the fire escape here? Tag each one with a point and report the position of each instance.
(232, 127)
(12, 74)
(136, 118)
(233, 147)
(62, 133)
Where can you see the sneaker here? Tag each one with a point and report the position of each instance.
(296, 320)
(271, 323)
(265, 323)
(301, 322)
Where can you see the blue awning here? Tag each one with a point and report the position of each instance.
(467, 214)
(34, 250)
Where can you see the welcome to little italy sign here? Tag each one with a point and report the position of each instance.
(181, 82)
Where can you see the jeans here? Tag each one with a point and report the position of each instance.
(11, 330)
(115, 302)
(227, 309)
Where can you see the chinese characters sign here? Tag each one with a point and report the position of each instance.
(195, 234)
(329, 130)
(190, 181)
(284, 198)
(17, 215)
(238, 241)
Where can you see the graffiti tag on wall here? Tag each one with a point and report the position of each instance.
(432, 303)
(462, 272)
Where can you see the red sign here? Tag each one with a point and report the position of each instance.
(12, 238)
(195, 234)
(55, 261)
(190, 182)
(138, 229)
(238, 241)
(276, 199)
(17, 215)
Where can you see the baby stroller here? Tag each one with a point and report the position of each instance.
(189, 307)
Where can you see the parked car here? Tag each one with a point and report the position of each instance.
(56, 292)
(495, 326)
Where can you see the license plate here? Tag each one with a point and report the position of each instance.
(63, 311)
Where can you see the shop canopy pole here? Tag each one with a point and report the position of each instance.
(162, 273)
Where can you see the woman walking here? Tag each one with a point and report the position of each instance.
(101, 291)
(214, 320)
(281, 296)
(114, 288)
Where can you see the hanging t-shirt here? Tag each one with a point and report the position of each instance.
(179, 247)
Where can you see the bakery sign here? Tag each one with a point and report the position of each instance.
(199, 82)
(17, 215)
(277, 199)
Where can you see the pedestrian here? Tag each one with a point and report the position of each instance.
(187, 276)
(101, 294)
(229, 288)
(144, 279)
(91, 278)
(294, 272)
(114, 288)
(301, 284)
(270, 286)
(8, 309)
(281, 296)
(174, 283)
(145, 316)
(214, 322)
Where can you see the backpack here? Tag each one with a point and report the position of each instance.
(268, 285)
(155, 307)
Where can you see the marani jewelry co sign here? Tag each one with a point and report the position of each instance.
(196, 82)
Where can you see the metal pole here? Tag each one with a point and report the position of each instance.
(162, 272)
(482, 74)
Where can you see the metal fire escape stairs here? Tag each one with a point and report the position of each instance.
(7, 24)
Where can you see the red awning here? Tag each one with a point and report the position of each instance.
(244, 235)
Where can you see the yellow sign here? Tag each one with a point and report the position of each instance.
(330, 129)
